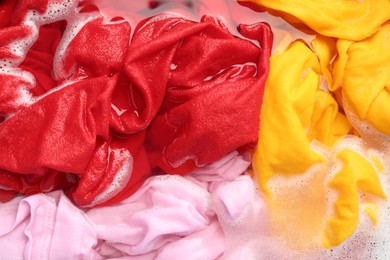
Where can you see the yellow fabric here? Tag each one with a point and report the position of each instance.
(297, 114)
(325, 48)
(293, 96)
(371, 209)
(327, 124)
(362, 71)
(344, 19)
(356, 175)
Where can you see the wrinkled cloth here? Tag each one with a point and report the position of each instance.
(205, 90)
(66, 143)
(167, 217)
(300, 162)
(224, 169)
(304, 108)
(173, 213)
(362, 70)
(45, 227)
(350, 20)
(356, 69)
(79, 99)
(358, 175)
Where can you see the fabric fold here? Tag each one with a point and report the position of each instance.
(350, 20)
(197, 126)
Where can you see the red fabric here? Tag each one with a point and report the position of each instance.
(208, 103)
(9, 95)
(113, 110)
(64, 139)
(6, 10)
(23, 6)
(101, 169)
(8, 35)
(61, 129)
(98, 49)
(39, 60)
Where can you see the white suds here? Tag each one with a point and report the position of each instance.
(121, 179)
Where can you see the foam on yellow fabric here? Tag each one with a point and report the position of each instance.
(298, 116)
(295, 111)
(362, 72)
(357, 175)
(345, 19)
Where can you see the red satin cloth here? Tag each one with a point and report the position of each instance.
(178, 95)
(207, 96)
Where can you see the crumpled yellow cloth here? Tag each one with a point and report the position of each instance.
(357, 175)
(295, 111)
(362, 71)
(298, 162)
(345, 19)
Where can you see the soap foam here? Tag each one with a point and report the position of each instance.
(20, 47)
(367, 242)
(372, 242)
(24, 97)
(121, 179)
(33, 20)
(76, 21)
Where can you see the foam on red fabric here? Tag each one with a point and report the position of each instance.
(56, 142)
(98, 49)
(39, 59)
(181, 94)
(22, 7)
(8, 35)
(9, 94)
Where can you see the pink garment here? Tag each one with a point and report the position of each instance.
(173, 215)
(163, 211)
(169, 216)
(45, 227)
(225, 169)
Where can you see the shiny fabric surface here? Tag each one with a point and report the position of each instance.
(199, 92)
(117, 119)
(89, 111)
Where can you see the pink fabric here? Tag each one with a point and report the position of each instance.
(165, 209)
(225, 169)
(170, 216)
(45, 227)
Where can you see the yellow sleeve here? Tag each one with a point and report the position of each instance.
(345, 19)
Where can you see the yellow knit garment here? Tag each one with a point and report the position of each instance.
(356, 175)
(294, 112)
(298, 116)
(362, 71)
(345, 19)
